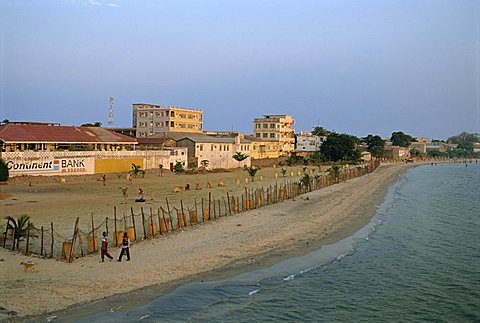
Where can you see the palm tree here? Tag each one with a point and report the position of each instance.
(306, 181)
(252, 171)
(136, 169)
(334, 171)
(204, 163)
(19, 227)
(239, 157)
(283, 171)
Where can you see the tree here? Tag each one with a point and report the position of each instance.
(204, 163)
(252, 171)
(283, 171)
(400, 139)
(178, 168)
(192, 166)
(320, 131)
(464, 136)
(414, 152)
(239, 157)
(5, 121)
(375, 145)
(340, 147)
(4, 173)
(19, 227)
(334, 171)
(96, 124)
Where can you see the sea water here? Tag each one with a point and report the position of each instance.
(417, 260)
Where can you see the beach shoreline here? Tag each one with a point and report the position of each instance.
(213, 251)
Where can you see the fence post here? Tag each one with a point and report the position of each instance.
(41, 243)
(143, 224)
(51, 242)
(93, 236)
(169, 215)
(229, 204)
(115, 224)
(203, 210)
(159, 222)
(134, 227)
(28, 238)
(151, 222)
(75, 231)
(209, 205)
(184, 216)
(6, 232)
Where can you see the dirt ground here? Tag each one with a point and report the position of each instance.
(46, 200)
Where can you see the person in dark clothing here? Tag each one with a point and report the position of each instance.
(125, 247)
(104, 248)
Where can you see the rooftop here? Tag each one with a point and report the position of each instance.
(60, 134)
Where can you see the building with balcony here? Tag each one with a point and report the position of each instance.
(150, 119)
(276, 128)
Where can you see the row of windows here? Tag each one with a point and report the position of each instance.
(162, 114)
(266, 135)
(222, 147)
(266, 126)
(172, 125)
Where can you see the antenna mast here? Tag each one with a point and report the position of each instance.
(110, 113)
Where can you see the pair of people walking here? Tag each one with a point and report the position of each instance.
(125, 247)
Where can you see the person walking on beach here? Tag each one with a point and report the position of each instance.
(104, 249)
(125, 247)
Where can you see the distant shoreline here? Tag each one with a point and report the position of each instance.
(219, 249)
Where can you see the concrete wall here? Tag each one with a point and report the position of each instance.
(101, 161)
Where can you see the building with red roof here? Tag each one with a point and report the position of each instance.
(42, 137)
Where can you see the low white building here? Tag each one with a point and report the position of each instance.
(217, 151)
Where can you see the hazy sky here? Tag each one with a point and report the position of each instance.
(351, 66)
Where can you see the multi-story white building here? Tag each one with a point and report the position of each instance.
(276, 128)
(307, 142)
(150, 119)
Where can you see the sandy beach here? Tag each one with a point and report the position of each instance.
(234, 243)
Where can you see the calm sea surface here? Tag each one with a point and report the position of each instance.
(418, 260)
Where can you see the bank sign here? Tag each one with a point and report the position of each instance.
(57, 166)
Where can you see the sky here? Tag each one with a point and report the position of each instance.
(352, 66)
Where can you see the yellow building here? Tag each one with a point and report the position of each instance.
(150, 119)
(261, 149)
(277, 129)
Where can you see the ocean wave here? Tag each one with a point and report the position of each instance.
(253, 292)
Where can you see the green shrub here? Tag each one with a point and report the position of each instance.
(4, 174)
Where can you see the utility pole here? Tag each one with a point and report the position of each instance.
(110, 113)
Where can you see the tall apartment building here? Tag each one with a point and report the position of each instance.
(150, 119)
(276, 128)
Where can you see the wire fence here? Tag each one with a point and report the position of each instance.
(148, 223)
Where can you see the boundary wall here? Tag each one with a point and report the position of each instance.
(50, 163)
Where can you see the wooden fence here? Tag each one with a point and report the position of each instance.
(148, 223)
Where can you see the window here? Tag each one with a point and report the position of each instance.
(172, 124)
(201, 147)
(265, 125)
(272, 126)
(257, 135)
(272, 135)
(257, 126)
(172, 113)
(265, 135)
